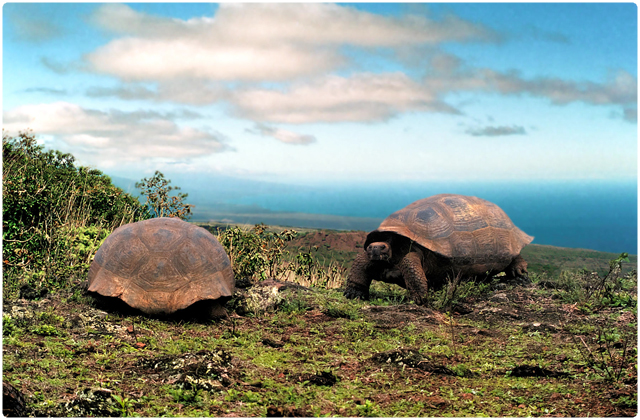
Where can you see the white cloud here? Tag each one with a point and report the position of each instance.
(120, 18)
(364, 97)
(158, 60)
(368, 97)
(619, 89)
(113, 137)
(285, 136)
(330, 24)
(236, 55)
(257, 42)
(182, 91)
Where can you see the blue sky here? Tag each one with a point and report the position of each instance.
(315, 92)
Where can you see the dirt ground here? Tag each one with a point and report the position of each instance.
(514, 352)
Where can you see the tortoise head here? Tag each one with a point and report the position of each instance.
(379, 251)
(378, 246)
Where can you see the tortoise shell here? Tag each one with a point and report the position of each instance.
(161, 265)
(468, 230)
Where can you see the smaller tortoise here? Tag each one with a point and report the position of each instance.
(160, 266)
(446, 235)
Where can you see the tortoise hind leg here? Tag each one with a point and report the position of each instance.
(216, 310)
(517, 270)
(414, 277)
(209, 309)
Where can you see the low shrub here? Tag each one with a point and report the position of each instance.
(256, 252)
(54, 214)
(591, 292)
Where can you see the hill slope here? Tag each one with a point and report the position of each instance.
(551, 260)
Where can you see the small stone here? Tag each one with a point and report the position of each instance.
(101, 314)
(499, 297)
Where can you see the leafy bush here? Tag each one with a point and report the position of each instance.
(609, 291)
(610, 353)
(8, 326)
(83, 242)
(592, 292)
(256, 252)
(54, 214)
(159, 201)
(305, 265)
(262, 253)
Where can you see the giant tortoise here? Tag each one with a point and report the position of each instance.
(164, 265)
(446, 235)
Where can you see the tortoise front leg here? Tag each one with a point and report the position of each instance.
(414, 277)
(359, 279)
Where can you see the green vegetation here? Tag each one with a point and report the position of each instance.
(319, 354)
(260, 252)
(547, 260)
(159, 200)
(456, 291)
(256, 252)
(609, 352)
(54, 215)
(310, 271)
(591, 292)
(564, 345)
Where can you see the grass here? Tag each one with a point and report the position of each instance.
(551, 260)
(273, 358)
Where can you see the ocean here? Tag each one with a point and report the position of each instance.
(597, 215)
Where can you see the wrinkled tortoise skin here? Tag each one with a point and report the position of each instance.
(161, 266)
(443, 235)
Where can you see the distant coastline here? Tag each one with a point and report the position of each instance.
(290, 219)
(590, 214)
(597, 215)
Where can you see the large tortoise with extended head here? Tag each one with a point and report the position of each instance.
(164, 265)
(437, 237)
